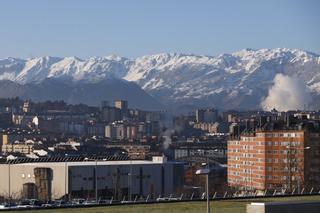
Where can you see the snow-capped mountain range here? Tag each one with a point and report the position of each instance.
(237, 80)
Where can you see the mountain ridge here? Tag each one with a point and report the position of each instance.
(231, 80)
(81, 92)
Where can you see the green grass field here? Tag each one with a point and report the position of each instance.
(226, 206)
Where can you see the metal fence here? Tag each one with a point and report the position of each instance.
(151, 199)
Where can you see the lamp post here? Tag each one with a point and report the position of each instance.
(206, 173)
(129, 177)
(87, 185)
(65, 176)
(251, 181)
(96, 179)
(9, 183)
(96, 176)
(130, 181)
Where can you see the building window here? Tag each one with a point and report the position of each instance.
(269, 135)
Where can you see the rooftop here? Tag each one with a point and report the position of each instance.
(84, 161)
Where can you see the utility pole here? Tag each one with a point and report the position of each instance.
(208, 201)
(205, 172)
(65, 176)
(96, 179)
(289, 165)
(9, 184)
(130, 181)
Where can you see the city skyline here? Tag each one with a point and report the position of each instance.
(146, 102)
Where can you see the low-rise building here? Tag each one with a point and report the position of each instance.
(17, 148)
(47, 180)
(134, 151)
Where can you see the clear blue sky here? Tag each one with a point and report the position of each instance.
(134, 28)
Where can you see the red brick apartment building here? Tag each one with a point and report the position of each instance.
(269, 160)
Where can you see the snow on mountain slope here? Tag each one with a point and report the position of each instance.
(10, 68)
(35, 70)
(240, 79)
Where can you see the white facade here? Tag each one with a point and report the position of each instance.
(148, 177)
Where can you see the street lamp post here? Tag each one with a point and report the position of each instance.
(289, 165)
(129, 177)
(251, 181)
(206, 173)
(130, 182)
(96, 176)
(9, 183)
(96, 179)
(65, 176)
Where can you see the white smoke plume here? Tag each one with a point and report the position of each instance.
(167, 135)
(287, 93)
(167, 138)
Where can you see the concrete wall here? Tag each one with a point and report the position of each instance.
(284, 207)
(81, 176)
(24, 173)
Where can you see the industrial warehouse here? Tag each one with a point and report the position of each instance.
(67, 178)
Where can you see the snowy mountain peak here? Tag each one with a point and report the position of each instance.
(114, 57)
(178, 77)
(229, 77)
